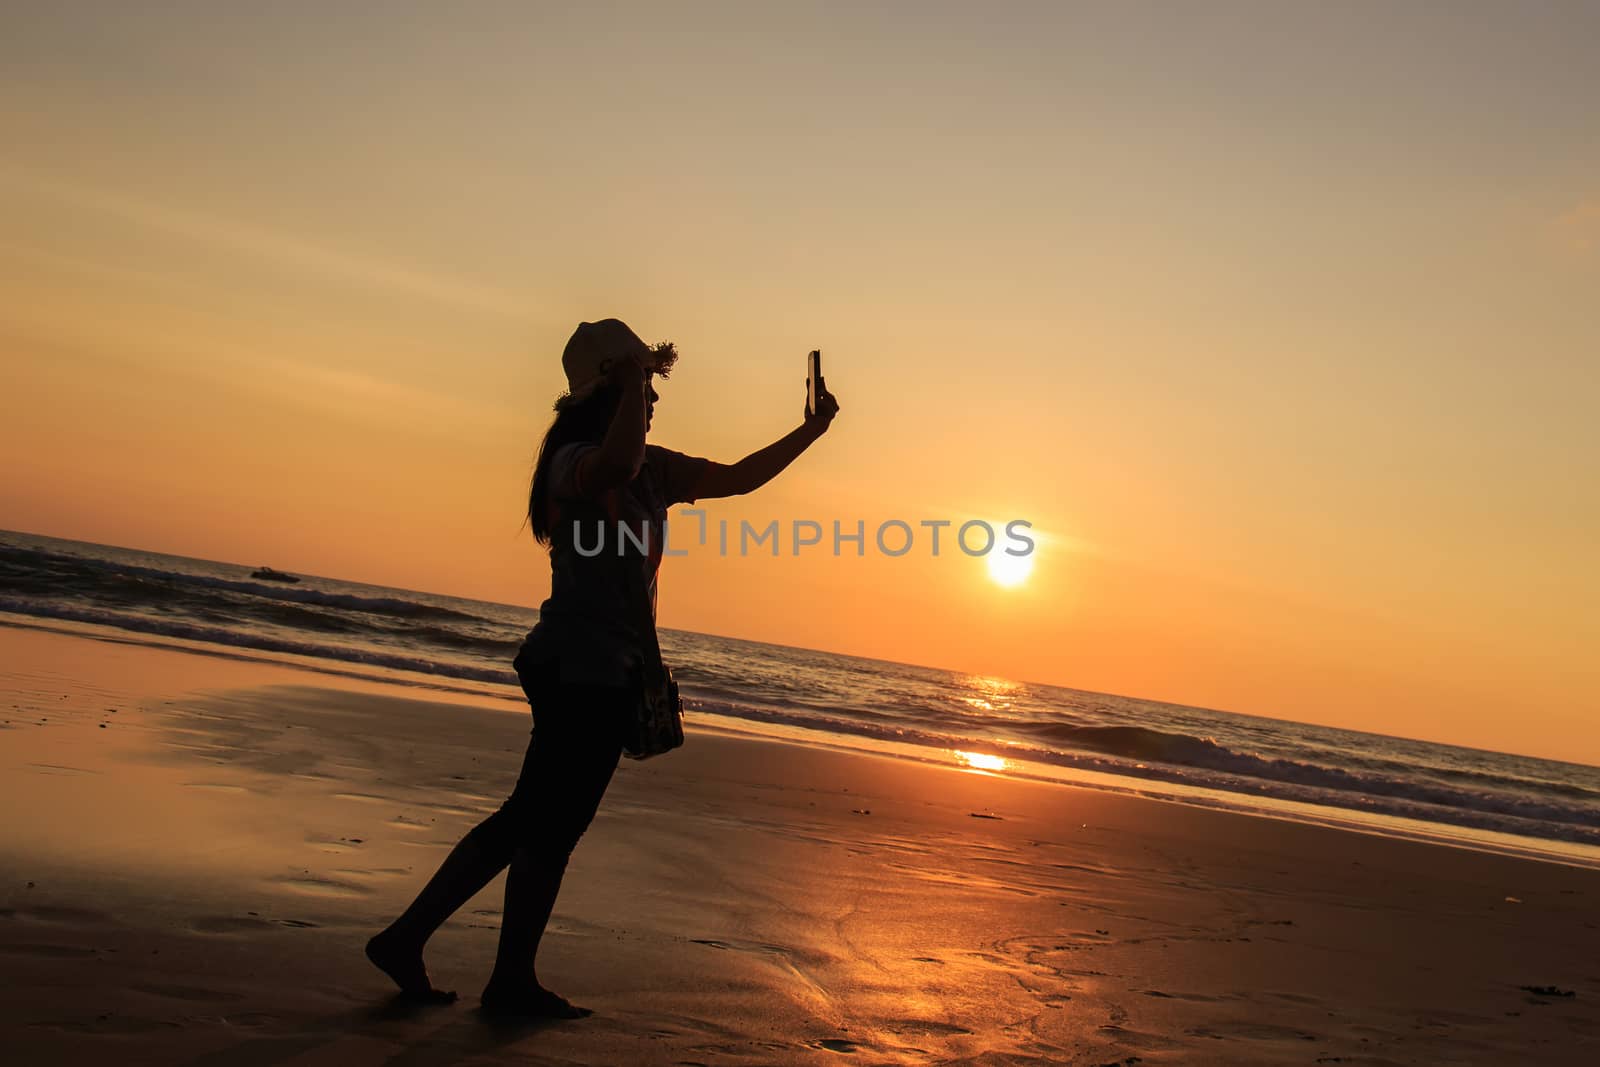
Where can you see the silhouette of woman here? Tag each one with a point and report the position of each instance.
(577, 666)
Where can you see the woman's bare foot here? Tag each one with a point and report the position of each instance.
(404, 965)
(528, 1001)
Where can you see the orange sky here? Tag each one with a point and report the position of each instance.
(1278, 326)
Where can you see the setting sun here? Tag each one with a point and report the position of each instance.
(1009, 570)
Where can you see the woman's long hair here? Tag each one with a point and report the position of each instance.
(586, 420)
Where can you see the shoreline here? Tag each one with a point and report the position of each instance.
(1152, 787)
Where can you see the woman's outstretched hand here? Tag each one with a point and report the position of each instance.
(827, 408)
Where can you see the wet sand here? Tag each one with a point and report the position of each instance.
(195, 849)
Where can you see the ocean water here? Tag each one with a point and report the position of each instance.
(1215, 758)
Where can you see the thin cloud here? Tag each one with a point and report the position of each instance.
(344, 391)
(223, 363)
(78, 265)
(273, 246)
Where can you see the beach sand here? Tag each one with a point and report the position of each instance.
(195, 850)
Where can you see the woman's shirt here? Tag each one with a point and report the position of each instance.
(594, 622)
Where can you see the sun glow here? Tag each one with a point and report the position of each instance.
(1008, 570)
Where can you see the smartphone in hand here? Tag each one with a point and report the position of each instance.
(814, 386)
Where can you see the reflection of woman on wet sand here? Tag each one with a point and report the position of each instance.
(579, 664)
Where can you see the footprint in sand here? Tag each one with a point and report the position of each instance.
(312, 885)
(186, 992)
(1193, 998)
(49, 914)
(228, 924)
(359, 873)
(450, 809)
(1139, 1039)
(56, 768)
(110, 1024)
(1247, 1030)
(925, 1027)
(52, 952)
(837, 1044)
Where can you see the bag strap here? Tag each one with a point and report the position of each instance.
(646, 621)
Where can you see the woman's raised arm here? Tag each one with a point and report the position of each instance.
(763, 465)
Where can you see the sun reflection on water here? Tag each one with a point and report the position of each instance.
(987, 694)
(980, 761)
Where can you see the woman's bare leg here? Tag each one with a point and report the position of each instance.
(569, 780)
(471, 865)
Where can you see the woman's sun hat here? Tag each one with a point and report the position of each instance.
(595, 346)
